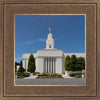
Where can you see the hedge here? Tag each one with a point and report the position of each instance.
(75, 75)
(23, 74)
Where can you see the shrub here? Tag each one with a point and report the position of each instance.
(77, 75)
(43, 74)
(19, 74)
(72, 74)
(23, 74)
(36, 73)
(58, 75)
(26, 74)
(55, 74)
(46, 75)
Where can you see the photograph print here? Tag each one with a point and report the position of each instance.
(49, 50)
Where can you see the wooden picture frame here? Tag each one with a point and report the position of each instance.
(90, 91)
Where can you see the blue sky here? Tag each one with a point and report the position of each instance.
(31, 33)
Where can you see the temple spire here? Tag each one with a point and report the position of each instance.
(50, 41)
(49, 30)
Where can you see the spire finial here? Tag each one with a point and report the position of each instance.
(49, 30)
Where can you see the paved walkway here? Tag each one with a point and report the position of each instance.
(31, 77)
(66, 76)
(66, 80)
(57, 81)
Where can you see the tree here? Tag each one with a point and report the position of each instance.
(31, 64)
(68, 63)
(74, 61)
(21, 69)
(80, 63)
(16, 64)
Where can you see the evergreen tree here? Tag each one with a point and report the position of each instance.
(21, 69)
(16, 64)
(80, 63)
(74, 62)
(31, 64)
(68, 63)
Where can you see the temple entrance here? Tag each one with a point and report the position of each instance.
(49, 64)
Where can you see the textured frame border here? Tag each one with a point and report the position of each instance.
(97, 96)
(10, 10)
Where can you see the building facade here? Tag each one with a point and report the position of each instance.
(49, 60)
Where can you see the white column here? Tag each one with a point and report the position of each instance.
(53, 65)
(43, 65)
(48, 64)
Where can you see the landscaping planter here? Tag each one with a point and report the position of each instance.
(49, 76)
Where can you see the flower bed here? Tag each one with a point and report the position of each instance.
(45, 75)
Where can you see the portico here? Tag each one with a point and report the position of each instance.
(49, 64)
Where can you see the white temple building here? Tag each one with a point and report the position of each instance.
(49, 60)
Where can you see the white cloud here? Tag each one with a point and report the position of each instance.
(41, 40)
(37, 40)
(29, 42)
